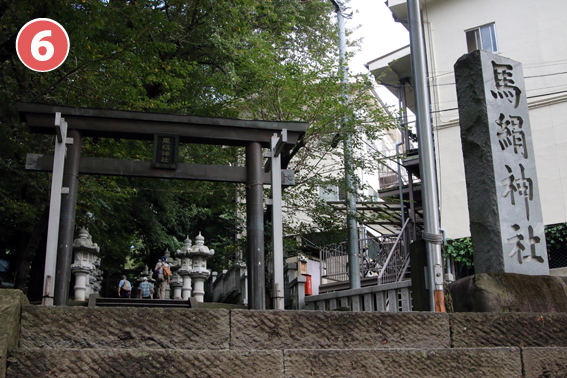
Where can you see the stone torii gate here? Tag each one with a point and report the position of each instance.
(75, 123)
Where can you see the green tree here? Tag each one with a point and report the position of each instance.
(266, 59)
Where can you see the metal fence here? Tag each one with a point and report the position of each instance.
(557, 256)
(392, 297)
(382, 257)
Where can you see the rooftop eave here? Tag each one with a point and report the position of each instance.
(391, 68)
(399, 9)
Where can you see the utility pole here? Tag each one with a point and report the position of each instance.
(352, 238)
(431, 233)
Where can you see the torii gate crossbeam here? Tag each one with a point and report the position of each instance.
(254, 135)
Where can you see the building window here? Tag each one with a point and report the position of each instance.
(482, 38)
(372, 194)
(332, 193)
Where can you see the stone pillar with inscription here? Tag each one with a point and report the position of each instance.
(505, 213)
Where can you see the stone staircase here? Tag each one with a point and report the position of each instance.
(175, 342)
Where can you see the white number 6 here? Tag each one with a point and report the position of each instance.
(37, 43)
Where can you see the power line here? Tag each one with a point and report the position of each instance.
(525, 77)
(547, 94)
(444, 110)
(534, 96)
(552, 74)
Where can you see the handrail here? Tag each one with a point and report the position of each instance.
(403, 271)
(392, 252)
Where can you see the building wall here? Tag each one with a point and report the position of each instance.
(527, 31)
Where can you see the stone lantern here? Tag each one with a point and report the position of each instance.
(84, 264)
(95, 279)
(176, 283)
(186, 266)
(199, 273)
(145, 273)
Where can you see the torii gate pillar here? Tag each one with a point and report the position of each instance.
(255, 227)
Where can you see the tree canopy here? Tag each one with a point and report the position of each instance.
(251, 59)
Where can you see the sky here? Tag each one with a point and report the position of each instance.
(381, 35)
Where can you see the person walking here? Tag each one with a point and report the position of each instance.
(124, 288)
(164, 275)
(146, 289)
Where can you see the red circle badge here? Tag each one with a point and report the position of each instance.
(42, 45)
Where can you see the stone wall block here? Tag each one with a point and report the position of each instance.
(544, 362)
(106, 363)
(111, 327)
(471, 330)
(337, 330)
(407, 363)
(11, 302)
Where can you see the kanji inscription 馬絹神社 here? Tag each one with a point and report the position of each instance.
(502, 188)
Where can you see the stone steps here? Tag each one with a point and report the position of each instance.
(172, 342)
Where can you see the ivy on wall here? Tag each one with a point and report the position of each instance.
(461, 250)
(556, 236)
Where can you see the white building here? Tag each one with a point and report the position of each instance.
(531, 32)
(328, 167)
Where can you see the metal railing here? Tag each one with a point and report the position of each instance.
(392, 297)
(396, 263)
(383, 257)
